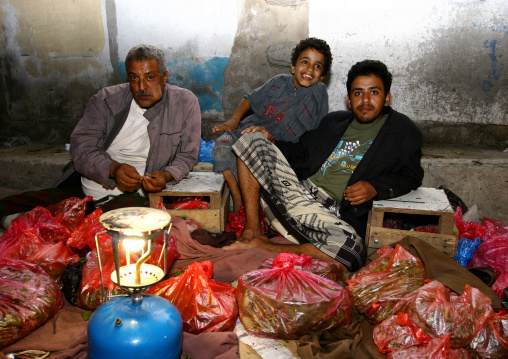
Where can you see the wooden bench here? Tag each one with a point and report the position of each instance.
(428, 202)
(206, 184)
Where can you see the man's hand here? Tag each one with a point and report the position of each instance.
(126, 176)
(156, 181)
(359, 193)
(263, 130)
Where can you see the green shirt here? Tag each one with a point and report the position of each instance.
(335, 172)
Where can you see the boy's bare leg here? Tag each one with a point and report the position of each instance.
(234, 189)
(249, 188)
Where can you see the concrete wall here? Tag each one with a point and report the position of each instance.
(448, 56)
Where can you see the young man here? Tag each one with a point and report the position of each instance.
(322, 187)
(286, 105)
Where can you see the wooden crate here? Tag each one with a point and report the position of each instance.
(421, 202)
(206, 184)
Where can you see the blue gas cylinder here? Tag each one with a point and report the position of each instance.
(121, 328)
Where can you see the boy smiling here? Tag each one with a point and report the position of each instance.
(286, 105)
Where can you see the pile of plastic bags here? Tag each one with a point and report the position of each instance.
(484, 245)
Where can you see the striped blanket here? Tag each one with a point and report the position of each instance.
(301, 204)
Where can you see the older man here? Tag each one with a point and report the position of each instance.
(133, 137)
(322, 187)
(137, 135)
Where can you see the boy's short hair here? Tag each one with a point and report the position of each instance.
(318, 45)
(369, 67)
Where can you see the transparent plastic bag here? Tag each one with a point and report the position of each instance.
(398, 332)
(205, 306)
(286, 303)
(438, 348)
(376, 288)
(28, 298)
(492, 340)
(461, 316)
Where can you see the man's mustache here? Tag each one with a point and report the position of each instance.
(144, 93)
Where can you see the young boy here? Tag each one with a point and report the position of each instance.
(286, 105)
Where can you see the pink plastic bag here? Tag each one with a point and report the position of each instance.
(325, 269)
(500, 284)
(284, 302)
(492, 254)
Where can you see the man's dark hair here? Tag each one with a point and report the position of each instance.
(145, 52)
(318, 45)
(369, 67)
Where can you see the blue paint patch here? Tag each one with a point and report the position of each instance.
(204, 78)
(496, 66)
(495, 28)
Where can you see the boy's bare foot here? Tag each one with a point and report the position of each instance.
(230, 124)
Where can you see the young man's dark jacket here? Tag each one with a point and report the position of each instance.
(391, 164)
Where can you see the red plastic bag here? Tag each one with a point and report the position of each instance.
(190, 203)
(322, 268)
(376, 288)
(36, 238)
(470, 230)
(284, 302)
(84, 234)
(205, 306)
(28, 298)
(398, 332)
(70, 212)
(438, 348)
(492, 340)
(236, 221)
(500, 284)
(462, 317)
